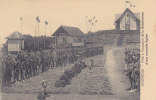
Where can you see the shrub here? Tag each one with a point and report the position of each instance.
(69, 74)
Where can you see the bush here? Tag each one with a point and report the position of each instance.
(69, 74)
(60, 83)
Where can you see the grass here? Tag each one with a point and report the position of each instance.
(91, 82)
(33, 84)
(87, 82)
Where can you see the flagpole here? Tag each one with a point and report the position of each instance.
(44, 37)
(34, 39)
(38, 39)
(38, 21)
(21, 27)
(125, 17)
(21, 23)
(86, 23)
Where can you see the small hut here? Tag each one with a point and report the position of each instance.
(67, 35)
(15, 42)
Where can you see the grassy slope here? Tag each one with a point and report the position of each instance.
(93, 81)
(87, 82)
(33, 84)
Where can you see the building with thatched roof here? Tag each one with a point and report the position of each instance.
(69, 36)
(15, 42)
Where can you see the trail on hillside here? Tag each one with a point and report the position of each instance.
(116, 77)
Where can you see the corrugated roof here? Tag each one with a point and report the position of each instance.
(15, 35)
(72, 31)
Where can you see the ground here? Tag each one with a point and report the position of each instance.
(107, 81)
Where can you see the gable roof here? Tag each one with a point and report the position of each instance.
(15, 35)
(72, 31)
(136, 15)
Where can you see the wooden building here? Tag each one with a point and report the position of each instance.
(15, 42)
(69, 36)
(127, 20)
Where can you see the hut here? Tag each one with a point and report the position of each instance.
(15, 42)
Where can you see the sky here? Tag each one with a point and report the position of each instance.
(58, 12)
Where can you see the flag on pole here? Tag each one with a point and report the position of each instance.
(90, 20)
(21, 19)
(96, 21)
(94, 17)
(37, 19)
(127, 1)
(46, 23)
(131, 5)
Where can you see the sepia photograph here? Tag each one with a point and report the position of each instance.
(72, 49)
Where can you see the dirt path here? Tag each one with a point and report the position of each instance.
(115, 76)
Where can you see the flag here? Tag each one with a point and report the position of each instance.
(37, 19)
(94, 17)
(96, 21)
(46, 23)
(131, 5)
(127, 1)
(21, 19)
(90, 20)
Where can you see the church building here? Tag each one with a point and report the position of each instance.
(127, 20)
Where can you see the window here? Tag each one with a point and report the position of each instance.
(79, 39)
(127, 15)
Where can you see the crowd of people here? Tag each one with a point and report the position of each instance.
(28, 64)
(132, 67)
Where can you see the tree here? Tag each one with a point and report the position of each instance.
(30, 43)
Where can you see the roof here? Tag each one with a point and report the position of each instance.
(72, 31)
(15, 35)
(119, 16)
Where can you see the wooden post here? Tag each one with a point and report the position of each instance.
(38, 39)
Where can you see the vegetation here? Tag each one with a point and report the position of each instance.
(69, 74)
(32, 43)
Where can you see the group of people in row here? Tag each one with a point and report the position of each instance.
(28, 64)
(132, 68)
